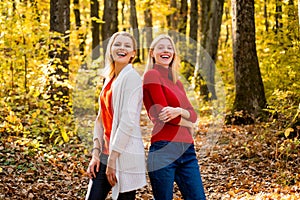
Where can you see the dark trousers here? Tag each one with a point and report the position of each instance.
(101, 186)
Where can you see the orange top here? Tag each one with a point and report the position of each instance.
(106, 115)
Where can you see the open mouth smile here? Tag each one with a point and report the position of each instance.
(165, 56)
(121, 54)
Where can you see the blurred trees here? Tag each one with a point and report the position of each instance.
(30, 50)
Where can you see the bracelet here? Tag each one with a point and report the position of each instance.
(96, 149)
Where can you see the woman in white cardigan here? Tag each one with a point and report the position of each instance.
(118, 157)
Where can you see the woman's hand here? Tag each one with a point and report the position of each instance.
(111, 168)
(93, 167)
(168, 113)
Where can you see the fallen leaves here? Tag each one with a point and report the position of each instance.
(47, 173)
(246, 162)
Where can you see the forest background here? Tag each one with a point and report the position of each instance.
(240, 66)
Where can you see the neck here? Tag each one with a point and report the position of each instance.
(164, 66)
(119, 67)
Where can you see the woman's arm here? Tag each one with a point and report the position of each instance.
(94, 164)
(168, 113)
(154, 97)
(186, 123)
(111, 168)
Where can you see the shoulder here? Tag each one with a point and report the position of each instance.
(151, 72)
(133, 75)
(180, 85)
(151, 76)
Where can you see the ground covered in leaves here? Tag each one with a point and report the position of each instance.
(245, 162)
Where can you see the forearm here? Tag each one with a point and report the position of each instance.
(113, 155)
(184, 113)
(186, 123)
(96, 150)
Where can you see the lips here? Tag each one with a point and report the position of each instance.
(165, 56)
(121, 54)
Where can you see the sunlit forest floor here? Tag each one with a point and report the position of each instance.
(245, 163)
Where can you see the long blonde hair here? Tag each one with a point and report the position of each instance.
(175, 64)
(109, 62)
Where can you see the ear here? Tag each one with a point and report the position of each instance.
(133, 54)
(151, 53)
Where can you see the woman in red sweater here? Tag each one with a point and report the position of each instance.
(172, 155)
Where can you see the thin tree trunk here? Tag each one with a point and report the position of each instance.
(210, 29)
(299, 12)
(114, 16)
(266, 15)
(227, 27)
(278, 16)
(148, 23)
(148, 28)
(122, 13)
(134, 25)
(298, 36)
(59, 54)
(81, 36)
(110, 18)
(172, 20)
(194, 20)
(182, 24)
(291, 24)
(250, 95)
(200, 85)
(95, 29)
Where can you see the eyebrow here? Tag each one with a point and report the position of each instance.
(169, 45)
(124, 43)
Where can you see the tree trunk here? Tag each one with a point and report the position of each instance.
(250, 95)
(134, 25)
(59, 54)
(95, 29)
(114, 16)
(182, 24)
(81, 36)
(148, 24)
(60, 16)
(182, 40)
(110, 18)
(291, 24)
(148, 28)
(200, 86)
(211, 18)
(172, 20)
(194, 20)
(122, 13)
(299, 12)
(278, 16)
(266, 15)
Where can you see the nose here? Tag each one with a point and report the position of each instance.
(166, 50)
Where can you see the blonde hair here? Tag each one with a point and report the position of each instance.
(109, 62)
(175, 63)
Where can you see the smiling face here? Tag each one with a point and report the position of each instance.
(163, 52)
(122, 49)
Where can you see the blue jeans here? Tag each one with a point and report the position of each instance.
(174, 161)
(101, 186)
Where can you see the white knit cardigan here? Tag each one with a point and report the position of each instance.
(126, 138)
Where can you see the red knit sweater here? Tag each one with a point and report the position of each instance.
(159, 92)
